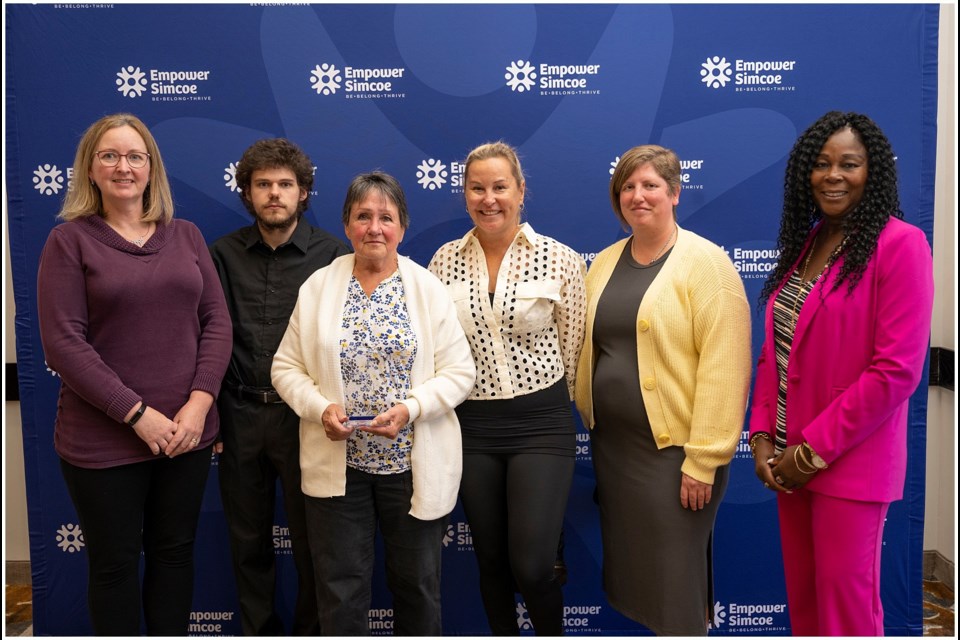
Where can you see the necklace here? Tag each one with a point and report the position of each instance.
(803, 273)
(803, 277)
(141, 238)
(662, 249)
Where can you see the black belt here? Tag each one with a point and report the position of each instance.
(263, 395)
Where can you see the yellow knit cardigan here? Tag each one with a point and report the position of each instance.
(693, 351)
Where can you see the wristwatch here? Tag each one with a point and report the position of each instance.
(815, 459)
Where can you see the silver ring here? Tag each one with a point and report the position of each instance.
(779, 480)
(766, 484)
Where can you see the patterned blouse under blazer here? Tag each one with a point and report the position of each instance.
(530, 336)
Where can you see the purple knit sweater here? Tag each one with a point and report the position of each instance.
(122, 323)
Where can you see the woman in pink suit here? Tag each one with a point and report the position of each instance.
(847, 328)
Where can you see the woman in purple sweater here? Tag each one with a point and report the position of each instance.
(133, 319)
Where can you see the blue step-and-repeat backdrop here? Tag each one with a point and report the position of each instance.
(410, 89)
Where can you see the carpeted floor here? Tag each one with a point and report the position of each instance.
(19, 620)
(938, 610)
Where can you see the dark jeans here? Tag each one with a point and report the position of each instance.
(151, 506)
(342, 531)
(515, 505)
(261, 444)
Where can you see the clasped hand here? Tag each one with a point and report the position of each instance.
(180, 435)
(387, 424)
(778, 472)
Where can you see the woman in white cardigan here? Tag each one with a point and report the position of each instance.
(374, 361)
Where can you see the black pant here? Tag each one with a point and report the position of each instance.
(151, 506)
(261, 443)
(342, 532)
(515, 505)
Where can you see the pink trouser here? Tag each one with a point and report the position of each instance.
(831, 560)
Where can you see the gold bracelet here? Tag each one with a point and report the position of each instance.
(759, 435)
(806, 473)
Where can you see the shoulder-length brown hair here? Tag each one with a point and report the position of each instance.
(84, 199)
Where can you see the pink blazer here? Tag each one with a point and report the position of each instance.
(855, 361)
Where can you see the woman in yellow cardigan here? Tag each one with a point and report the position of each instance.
(662, 383)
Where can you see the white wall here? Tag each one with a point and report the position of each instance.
(16, 545)
(939, 532)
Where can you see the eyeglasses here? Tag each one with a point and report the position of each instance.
(136, 159)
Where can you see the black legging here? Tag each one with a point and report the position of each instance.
(515, 505)
(153, 506)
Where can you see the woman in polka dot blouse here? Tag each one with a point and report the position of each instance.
(520, 298)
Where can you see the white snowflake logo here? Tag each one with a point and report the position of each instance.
(47, 179)
(230, 177)
(520, 76)
(325, 78)
(719, 613)
(70, 538)
(448, 536)
(131, 82)
(523, 618)
(432, 174)
(613, 165)
(715, 72)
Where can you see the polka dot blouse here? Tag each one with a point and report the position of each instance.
(530, 335)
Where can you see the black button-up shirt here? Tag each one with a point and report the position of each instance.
(261, 286)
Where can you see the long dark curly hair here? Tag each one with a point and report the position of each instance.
(862, 225)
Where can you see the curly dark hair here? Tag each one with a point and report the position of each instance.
(274, 153)
(862, 225)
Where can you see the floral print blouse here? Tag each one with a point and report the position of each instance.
(377, 349)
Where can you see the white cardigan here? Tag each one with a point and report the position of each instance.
(306, 373)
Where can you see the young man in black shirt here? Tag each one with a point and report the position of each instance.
(261, 268)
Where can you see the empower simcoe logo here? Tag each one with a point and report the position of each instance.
(459, 535)
(380, 622)
(436, 175)
(131, 82)
(583, 439)
(70, 538)
(431, 174)
(207, 623)
(163, 85)
(750, 618)
(357, 82)
(576, 618)
(715, 72)
(753, 263)
(747, 75)
(48, 179)
(282, 544)
(551, 79)
(230, 177)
